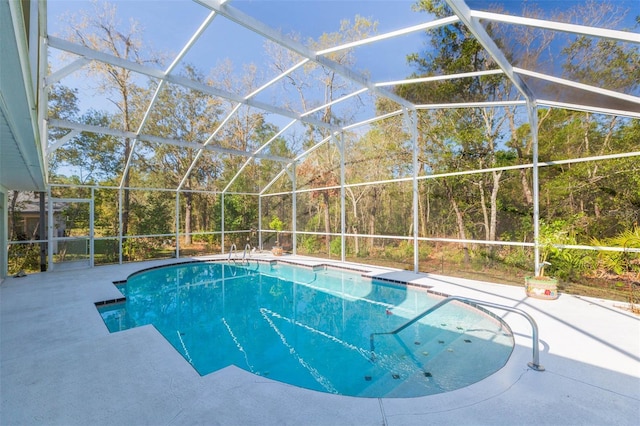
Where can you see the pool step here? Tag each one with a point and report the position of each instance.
(407, 373)
(430, 364)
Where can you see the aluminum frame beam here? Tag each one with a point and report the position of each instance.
(461, 9)
(77, 49)
(161, 85)
(420, 27)
(472, 105)
(559, 26)
(439, 78)
(255, 153)
(581, 86)
(64, 124)
(260, 28)
(65, 71)
(585, 108)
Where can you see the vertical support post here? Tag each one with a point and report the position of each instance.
(50, 229)
(294, 210)
(222, 221)
(41, 234)
(294, 206)
(120, 225)
(411, 124)
(343, 252)
(5, 234)
(42, 102)
(43, 94)
(177, 224)
(532, 111)
(260, 221)
(92, 234)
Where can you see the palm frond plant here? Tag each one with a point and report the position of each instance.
(539, 285)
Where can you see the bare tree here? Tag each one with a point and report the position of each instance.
(100, 29)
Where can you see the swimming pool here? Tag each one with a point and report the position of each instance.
(312, 327)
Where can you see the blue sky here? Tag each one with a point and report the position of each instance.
(168, 25)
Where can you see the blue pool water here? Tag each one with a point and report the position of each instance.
(312, 328)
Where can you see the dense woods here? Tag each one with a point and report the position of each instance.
(210, 150)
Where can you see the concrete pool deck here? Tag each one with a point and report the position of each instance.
(59, 365)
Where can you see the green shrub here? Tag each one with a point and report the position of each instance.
(24, 257)
(309, 244)
(335, 247)
(516, 257)
(106, 251)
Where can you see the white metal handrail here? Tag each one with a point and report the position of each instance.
(535, 362)
(247, 249)
(231, 250)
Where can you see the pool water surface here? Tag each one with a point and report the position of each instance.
(312, 327)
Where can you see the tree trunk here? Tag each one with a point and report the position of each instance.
(483, 205)
(126, 202)
(423, 215)
(354, 226)
(493, 224)
(524, 181)
(526, 188)
(372, 217)
(126, 179)
(327, 221)
(187, 217)
(462, 234)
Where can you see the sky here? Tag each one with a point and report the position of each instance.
(169, 24)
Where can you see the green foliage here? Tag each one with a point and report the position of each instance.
(152, 213)
(565, 263)
(549, 235)
(515, 257)
(95, 157)
(310, 244)
(570, 265)
(616, 262)
(136, 249)
(106, 252)
(335, 247)
(212, 241)
(106, 213)
(400, 252)
(276, 224)
(23, 257)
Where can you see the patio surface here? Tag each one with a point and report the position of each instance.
(59, 365)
